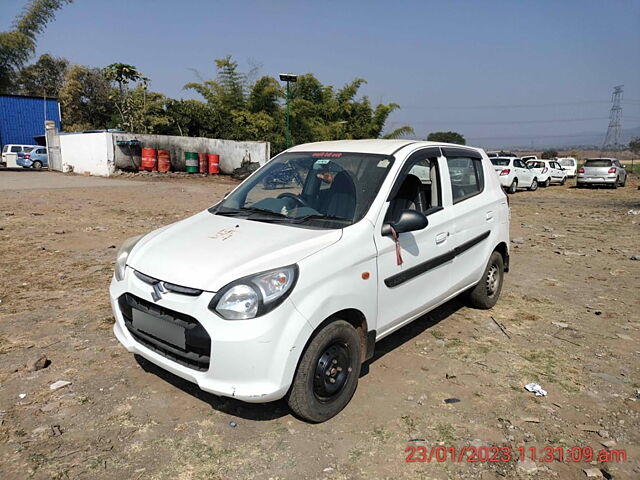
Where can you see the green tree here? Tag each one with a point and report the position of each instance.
(447, 137)
(548, 154)
(18, 45)
(85, 100)
(129, 95)
(44, 77)
(634, 145)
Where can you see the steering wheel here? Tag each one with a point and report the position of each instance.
(297, 198)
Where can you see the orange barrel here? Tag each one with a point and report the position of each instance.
(164, 161)
(214, 163)
(149, 161)
(202, 162)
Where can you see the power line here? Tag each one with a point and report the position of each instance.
(504, 106)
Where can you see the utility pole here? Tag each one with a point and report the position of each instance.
(289, 78)
(612, 137)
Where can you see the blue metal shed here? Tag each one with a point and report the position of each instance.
(22, 118)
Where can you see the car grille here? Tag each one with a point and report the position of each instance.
(197, 342)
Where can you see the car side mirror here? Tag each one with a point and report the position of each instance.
(409, 221)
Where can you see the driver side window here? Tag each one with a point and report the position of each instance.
(417, 187)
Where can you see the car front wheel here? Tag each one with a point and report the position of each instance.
(485, 294)
(328, 372)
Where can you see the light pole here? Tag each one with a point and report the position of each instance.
(289, 78)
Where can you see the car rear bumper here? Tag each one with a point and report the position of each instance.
(251, 360)
(594, 180)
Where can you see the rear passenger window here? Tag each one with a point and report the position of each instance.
(466, 177)
(16, 149)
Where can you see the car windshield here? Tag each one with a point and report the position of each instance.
(567, 162)
(598, 162)
(501, 162)
(534, 164)
(310, 189)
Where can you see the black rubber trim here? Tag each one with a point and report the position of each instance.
(371, 345)
(435, 262)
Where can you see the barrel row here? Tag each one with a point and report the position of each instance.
(160, 161)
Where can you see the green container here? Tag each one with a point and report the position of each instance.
(191, 162)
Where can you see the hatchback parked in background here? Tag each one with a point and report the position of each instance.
(547, 172)
(10, 153)
(283, 292)
(514, 173)
(570, 165)
(36, 158)
(602, 171)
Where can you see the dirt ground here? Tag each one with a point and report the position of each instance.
(569, 312)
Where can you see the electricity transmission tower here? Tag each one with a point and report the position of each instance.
(612, 138)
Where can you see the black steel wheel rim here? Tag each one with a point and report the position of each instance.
(332, 371)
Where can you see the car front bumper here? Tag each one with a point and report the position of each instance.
(251, 360)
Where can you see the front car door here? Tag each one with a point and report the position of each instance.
(418, 278)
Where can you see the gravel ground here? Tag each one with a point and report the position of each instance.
(568, 319)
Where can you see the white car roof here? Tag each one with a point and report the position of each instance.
(382, 146)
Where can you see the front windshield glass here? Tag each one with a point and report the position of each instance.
(311, 189)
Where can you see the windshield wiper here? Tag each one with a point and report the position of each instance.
(319, 216)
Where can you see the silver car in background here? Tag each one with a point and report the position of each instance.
(602, 171)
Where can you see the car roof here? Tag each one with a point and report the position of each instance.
(600, 158)
(381, 146)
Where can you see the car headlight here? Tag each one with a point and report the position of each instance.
(255, 295)
(123, 254)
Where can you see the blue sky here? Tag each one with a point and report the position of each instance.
(492, 70)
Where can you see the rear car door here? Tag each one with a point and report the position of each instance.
(474, 214)
(419, 279)
(524, 174)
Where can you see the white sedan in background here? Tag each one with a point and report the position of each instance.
(570, 165)
(513, 174)
(547, 172)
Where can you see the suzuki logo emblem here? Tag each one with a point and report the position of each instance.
(158, 290)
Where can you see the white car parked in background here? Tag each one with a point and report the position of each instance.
(570, 166)
(283, 292)
(513, 174)
(547, 172)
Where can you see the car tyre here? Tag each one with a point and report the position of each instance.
(485, 294)
(546, 183)
(514, 186)
(564, 180)
(534, 185)
(37, 165)
(327, 375)
(624, 182)
(614, 185)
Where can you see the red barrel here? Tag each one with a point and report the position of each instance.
(149, 161)
(202, 162)
(214, 163)
(164, 161)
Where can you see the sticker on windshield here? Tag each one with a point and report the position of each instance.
(322, 161)
(327, 154)
(383, 163)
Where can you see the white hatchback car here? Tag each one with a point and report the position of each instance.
(283, 288)
(547, 172)
(513, 174)
(570, 165)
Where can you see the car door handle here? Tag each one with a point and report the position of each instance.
(489, 215)
(441, 237)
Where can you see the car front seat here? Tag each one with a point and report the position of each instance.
(342, 197)
(410, 196)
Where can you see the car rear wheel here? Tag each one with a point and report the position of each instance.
(614, 185)
(546, 183)
(514, 186)
(37, 165)
(485, 294)
(328, 372)
(624, 182)
(534, 185)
